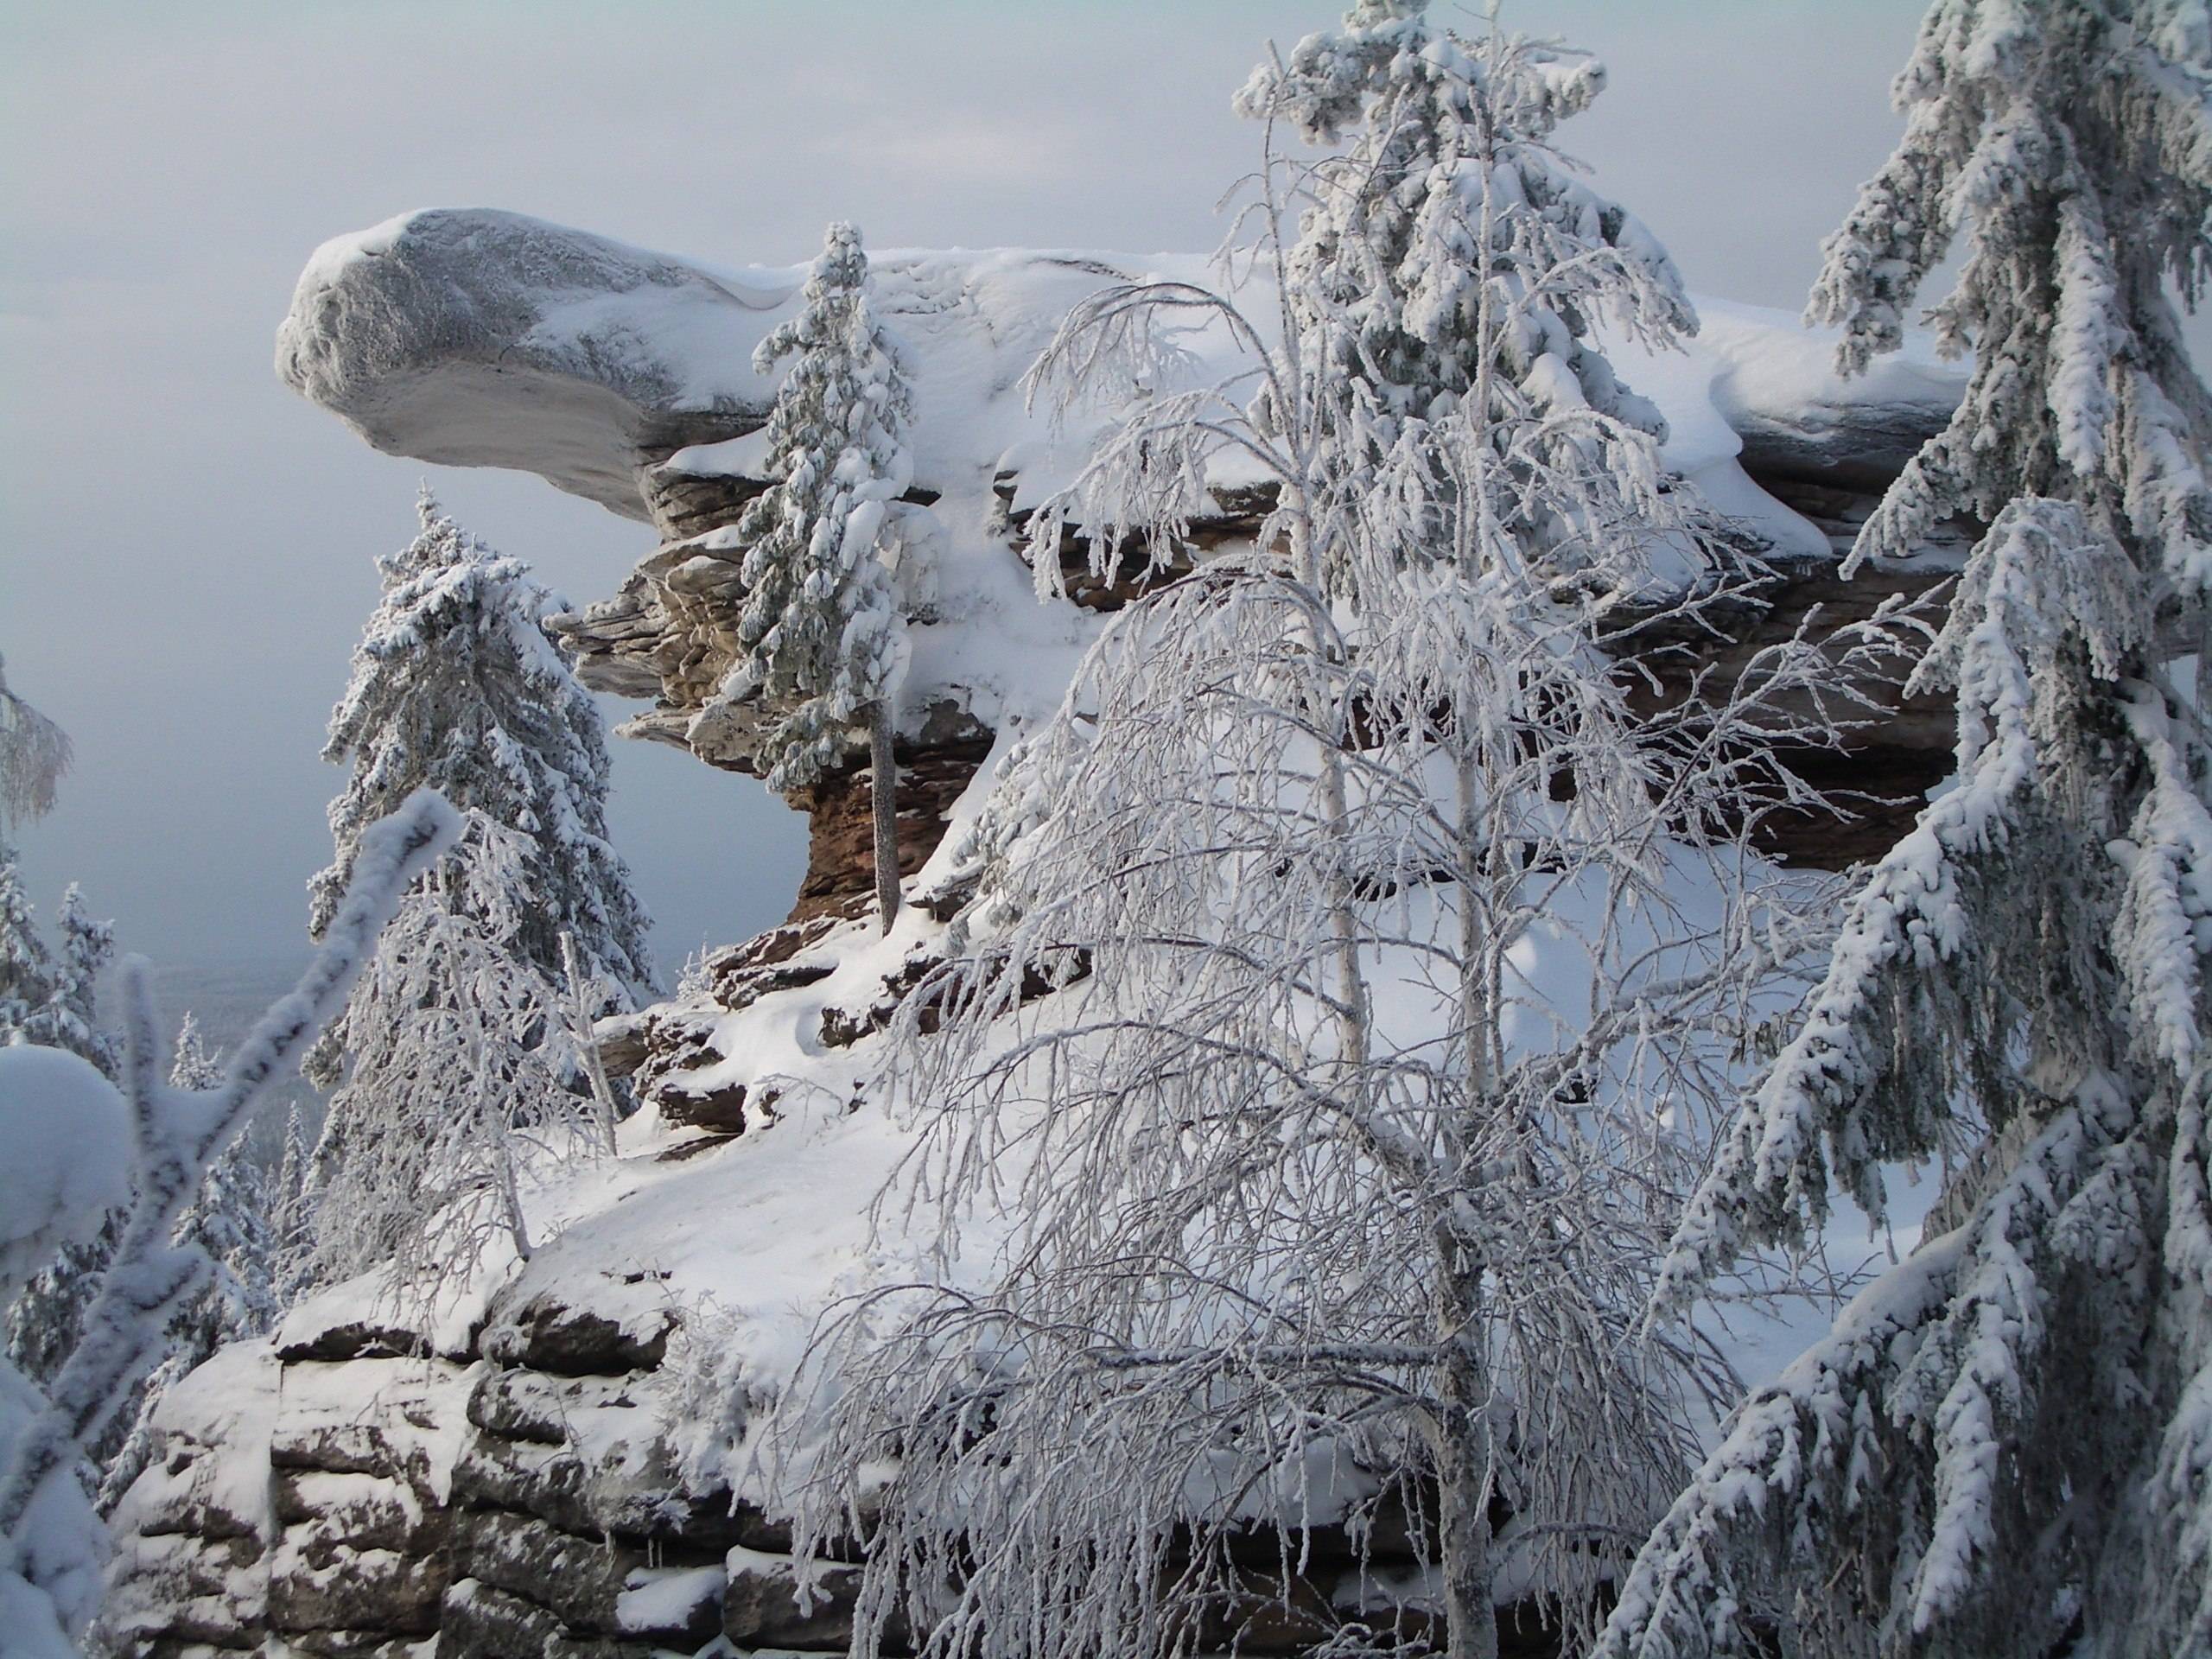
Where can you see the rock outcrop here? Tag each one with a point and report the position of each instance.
(525, 1504)
(513, 1494)
(300, 1500)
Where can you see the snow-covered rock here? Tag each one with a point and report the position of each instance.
(525, 1493)
(486, 339)
(479, 339)
(475, 338)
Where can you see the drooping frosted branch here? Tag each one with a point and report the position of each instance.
(176, 1132)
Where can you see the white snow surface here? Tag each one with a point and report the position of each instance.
(442, 334)
(744, 1246)
(67, 1546)
(232, 1401)
(67, 1134)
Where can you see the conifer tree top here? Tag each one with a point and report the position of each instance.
(821, 636)
(456, 686)
(2070, 147)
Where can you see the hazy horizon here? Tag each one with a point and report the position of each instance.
(188, 546)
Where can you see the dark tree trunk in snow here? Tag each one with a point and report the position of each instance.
(883, 795)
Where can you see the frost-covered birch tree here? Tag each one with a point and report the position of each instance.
(2004, 1447)
(1399, 961)
(456, 1092)
(822, 644)
(35, 755)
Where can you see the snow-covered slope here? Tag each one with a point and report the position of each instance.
(482, 338)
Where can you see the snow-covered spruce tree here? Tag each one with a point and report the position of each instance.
(1410, 959)
(48, 999)
(822, 644)
(291, 1208)
(457, 687)
(229, 1224)
(2004, 1447)
(462, 1032)
(51, 1572)
(69, 1018)
(1449, 252)
(26, 969)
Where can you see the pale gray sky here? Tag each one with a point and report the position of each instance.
(186, 547)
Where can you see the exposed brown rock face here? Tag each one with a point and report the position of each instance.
(669, 635)
(840, 877)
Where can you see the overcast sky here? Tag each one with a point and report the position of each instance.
(185, 546)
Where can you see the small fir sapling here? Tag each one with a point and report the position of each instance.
(26, 969)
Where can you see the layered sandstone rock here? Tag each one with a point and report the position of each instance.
(525, 1503)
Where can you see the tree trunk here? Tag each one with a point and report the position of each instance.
(1464, 1481)
(1352, 1004)
(602, 1091)
(883, 804)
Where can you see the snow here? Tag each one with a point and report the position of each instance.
(50, 1579)
(370, 1305)
(749, 1243)
(475, 338)
(230, 1401)
(665, 1598)
(67, 1134)
(744, 457)
(1773, 369)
